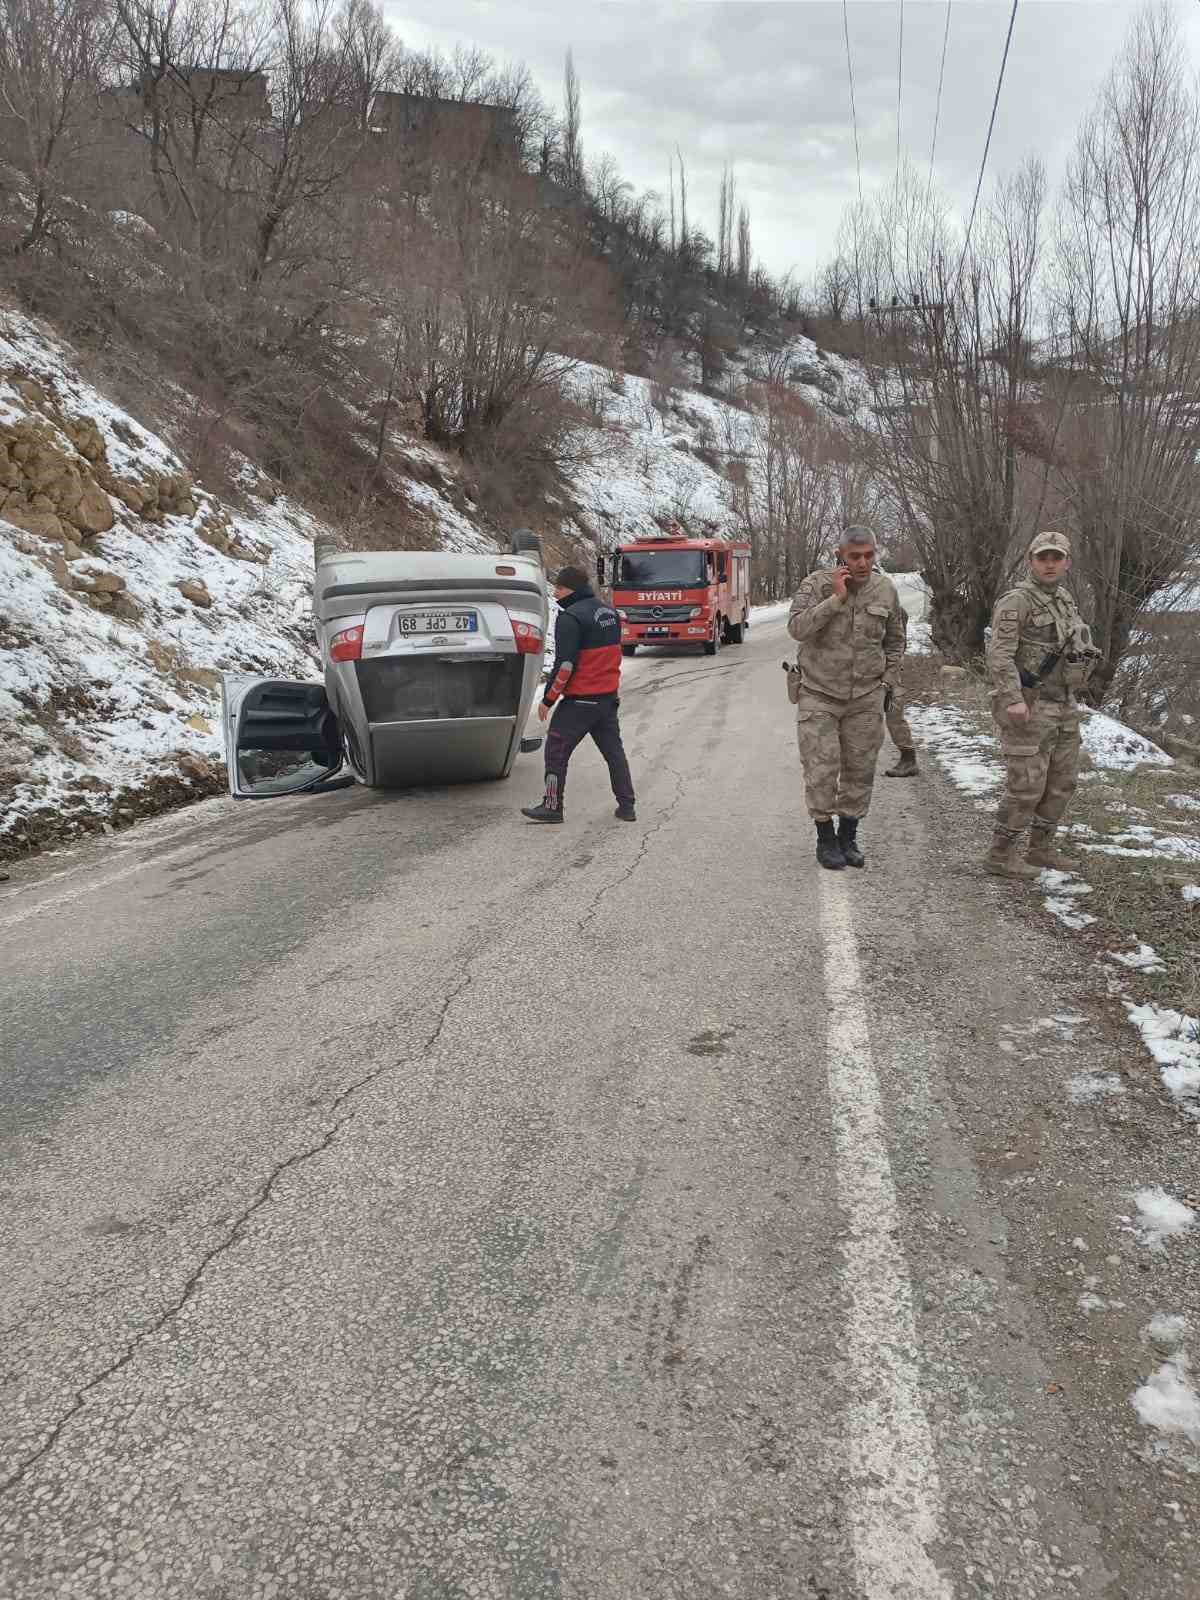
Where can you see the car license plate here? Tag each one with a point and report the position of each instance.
(658, 630)
(437, 622)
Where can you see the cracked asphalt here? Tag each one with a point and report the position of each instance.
(400, 1200)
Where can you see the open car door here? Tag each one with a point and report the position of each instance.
(281, 736)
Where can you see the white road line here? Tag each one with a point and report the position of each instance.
(893, 1502)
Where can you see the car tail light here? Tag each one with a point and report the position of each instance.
(530, 639)
(347, 645)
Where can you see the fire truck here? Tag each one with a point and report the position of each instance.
(669, 589)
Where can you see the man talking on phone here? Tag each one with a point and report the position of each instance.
(849, 626)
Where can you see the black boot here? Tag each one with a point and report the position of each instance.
(829, 852)
(625, 812)
(542, 813)
(848, 842)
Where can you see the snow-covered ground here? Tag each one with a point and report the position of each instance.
(971, 759)
(1160, 1217)
(1167, 1401)
(971, 756)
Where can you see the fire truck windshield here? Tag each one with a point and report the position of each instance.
(660, 569)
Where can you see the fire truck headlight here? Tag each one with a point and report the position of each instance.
(696, 611)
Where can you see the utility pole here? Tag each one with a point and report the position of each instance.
(936, 307)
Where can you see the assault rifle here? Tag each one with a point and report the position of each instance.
(1034, 680)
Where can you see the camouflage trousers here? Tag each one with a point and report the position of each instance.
(839, 745)
(1042, 758)
(898, 729)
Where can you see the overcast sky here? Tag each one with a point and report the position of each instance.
(764, 86)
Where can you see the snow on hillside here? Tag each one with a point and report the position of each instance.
(641, 460)
(116, 620)
(653, 452)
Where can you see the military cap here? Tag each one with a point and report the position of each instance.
(1050, 541)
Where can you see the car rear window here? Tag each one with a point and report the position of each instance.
(404, 689)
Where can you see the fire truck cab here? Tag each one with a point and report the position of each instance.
(670, 590)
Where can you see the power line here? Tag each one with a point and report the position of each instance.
(988, 143)
(899, 88)
(853, 112)
(937, 115)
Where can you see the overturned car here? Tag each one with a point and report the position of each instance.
(432, 662)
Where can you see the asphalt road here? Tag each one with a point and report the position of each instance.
(399, 1200)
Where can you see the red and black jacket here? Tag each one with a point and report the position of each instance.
(587, 650)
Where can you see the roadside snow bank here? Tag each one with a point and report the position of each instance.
(1066, 890)
(1143, 958)
(967, 755)
(1168, 1401)
(1173, 1039)
(1116, 748)
(1161, 1216)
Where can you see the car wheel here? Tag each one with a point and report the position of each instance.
(525, 542)
(629, 649)
(712, 646)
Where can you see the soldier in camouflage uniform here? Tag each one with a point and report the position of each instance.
(1040, 653)
(898, 729)
(847, 623)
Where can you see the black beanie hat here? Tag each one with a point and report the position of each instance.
(571, 578)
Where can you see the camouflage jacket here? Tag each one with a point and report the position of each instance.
(847, 647)
(1028, 623)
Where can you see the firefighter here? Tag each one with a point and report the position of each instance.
(583, 691)
(846, 621)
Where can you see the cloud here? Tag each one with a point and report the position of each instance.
(764, 86)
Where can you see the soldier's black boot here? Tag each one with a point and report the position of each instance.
(829, 852)
(847, 838)
(542, 813)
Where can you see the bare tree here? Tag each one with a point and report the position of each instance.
(371, 53)
(745, 253)
(54, 55)
(495, 300)
(798, 481)
(1129, 256)
(948, 342)
(609, 195)
(671, 171)
(834, 287)
(572, 148)
(726, 206)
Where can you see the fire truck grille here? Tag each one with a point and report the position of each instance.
(657, 613)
